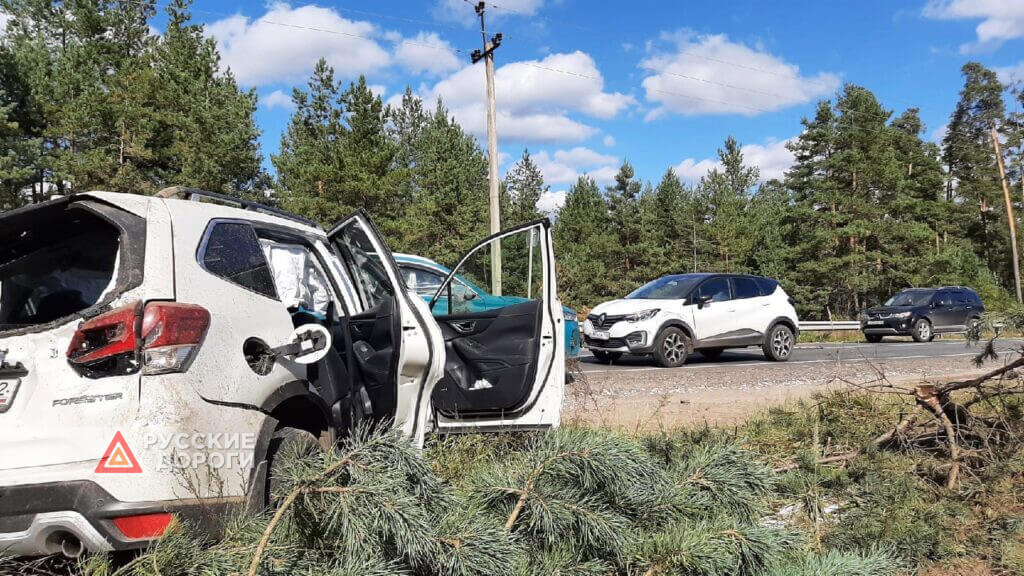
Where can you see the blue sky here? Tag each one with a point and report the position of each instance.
(586, 85)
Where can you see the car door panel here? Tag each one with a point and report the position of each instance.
(943, 313)
(490, 359)
(714, 321)
(505, 367)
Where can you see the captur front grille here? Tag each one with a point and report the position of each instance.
(604, 321)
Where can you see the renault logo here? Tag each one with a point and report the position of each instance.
(600, 320)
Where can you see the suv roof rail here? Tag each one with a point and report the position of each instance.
(196, 194)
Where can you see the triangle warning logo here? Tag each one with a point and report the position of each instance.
(118, 458)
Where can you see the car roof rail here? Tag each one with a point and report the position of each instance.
(197, 194)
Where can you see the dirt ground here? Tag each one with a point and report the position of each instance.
(652, 400)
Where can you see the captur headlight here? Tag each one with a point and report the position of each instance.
(643, 315)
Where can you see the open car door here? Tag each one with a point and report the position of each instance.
(504, 365)
(397, 347)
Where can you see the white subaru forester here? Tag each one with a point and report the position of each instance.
(157, 352)
(672, 316)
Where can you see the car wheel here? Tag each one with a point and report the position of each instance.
(778, 346)
(606, 357)
(671, 348)
(923, 330)
(711, 353)
(873, 338)
(285, 443)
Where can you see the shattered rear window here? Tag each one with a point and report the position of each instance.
(55, 264)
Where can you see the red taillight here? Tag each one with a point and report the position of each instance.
(161, 338)
(143, 526)
(171, 334)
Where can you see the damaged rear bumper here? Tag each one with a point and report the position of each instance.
(41, 519)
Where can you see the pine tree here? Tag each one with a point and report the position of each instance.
(521, 190)
(967, 152)
(727, 191)
(210, 119)
(674, 222)
(368, 178)
(631, 254)
(584, 244)
(448, 213)
(309, 162)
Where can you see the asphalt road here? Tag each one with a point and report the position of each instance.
(806, 354)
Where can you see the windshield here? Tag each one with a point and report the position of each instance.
(911, 298)
(666, 288)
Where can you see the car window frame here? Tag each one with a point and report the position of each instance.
(204, 245)
(353, 271)
(706, 281)
(937, 298)
(439, 273)
(735, 292)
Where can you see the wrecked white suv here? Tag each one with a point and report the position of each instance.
(157, 352)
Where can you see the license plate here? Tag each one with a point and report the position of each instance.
(875, 322)
(600, 336)
(8, 388)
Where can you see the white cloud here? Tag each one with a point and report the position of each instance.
(277, 99)
(462, 12)
(566, 166)
(551, 201)
(939, 134)
(378, 90)
(1001, 20)
(533, 102)
(608, 141)
(285, 43)
(772, 158)
(706, 75)
(1011, 74)
(426, 53)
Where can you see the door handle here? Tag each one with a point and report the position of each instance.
(463, 326)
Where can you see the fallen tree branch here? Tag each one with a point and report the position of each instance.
(976, 382)
(304, 488)
(879, 442)
(928, 396)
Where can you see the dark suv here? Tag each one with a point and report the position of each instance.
(923, 313)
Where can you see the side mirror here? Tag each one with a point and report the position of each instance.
(469, 296)
(702, 301)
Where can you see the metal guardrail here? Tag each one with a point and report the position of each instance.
(828, 325)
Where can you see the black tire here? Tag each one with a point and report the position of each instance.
(671, 348)
(711, 354)
(779, 343)
(873, 338)
(923, 331)
(606, 357)
(285, 441)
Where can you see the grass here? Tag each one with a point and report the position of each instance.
(591, 501)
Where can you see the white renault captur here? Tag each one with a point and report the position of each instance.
(156, 353)
(672, 316)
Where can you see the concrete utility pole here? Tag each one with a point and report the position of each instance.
(487, 55)
(1009, 211)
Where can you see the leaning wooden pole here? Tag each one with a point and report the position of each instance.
(1009, 211)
